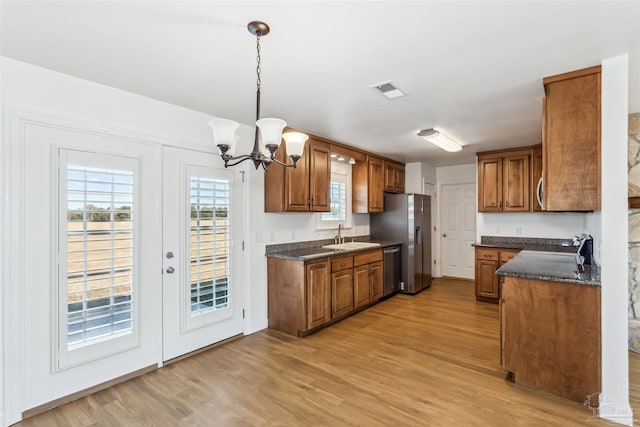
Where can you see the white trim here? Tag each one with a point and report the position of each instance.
(614, 252)
(13, 260)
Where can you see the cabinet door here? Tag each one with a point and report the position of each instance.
(516, 183)
(400, 179)
(389, 177)
(486, 279)
(536, 176)
(341, 293)
(361, 285)
(317, 286)
(319, 176)
(376, 184)
(376, 278)
(296, 196)
(572, 144)
(490, 184)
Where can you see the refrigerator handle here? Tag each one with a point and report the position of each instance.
(418, 237)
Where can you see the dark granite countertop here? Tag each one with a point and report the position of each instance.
(526, 243)
(310, 253)
(550, 266)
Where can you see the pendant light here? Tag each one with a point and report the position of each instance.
(268, 131)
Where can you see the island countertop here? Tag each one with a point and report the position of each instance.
(550, 266)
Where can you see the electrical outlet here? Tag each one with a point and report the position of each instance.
(497, 229)
(518, 231)
(272, 236)
(293, 234)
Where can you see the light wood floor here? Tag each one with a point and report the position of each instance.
(430, 359)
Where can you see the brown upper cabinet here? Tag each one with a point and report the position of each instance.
(368, 185)
(393, 177)
(571, 159)
(306, 188)
(504, 183)
(303, 189)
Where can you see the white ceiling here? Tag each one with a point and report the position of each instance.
(471, 69)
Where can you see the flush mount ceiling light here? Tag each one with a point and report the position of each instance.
(268, 132)
(388, 89)
(440, 139)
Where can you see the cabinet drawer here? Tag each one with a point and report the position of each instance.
(507, 255)
(368, 257)
(490, 254)
(342, 263)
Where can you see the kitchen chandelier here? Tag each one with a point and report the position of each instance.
(268, 132)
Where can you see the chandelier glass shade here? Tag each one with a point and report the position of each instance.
(268, 131)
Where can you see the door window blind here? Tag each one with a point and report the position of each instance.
(99, 253)
(209, 244)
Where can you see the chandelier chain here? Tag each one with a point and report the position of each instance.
(258, 69)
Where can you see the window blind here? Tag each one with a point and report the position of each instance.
(99, 253)
(209, 244)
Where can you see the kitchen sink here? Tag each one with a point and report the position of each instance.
(352, 246)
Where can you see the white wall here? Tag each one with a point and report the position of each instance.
(413, 178)
(418, 173)
(614, 400)
(557, 225)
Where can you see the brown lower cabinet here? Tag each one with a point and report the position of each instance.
(488, 260)
(305, 296)
(550, 337)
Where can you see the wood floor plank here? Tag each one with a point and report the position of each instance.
(429, 359)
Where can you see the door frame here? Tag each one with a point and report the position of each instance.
(12, 242)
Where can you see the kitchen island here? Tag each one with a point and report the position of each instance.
(550, 324)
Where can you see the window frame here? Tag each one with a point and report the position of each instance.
(69, 356)
(339, 172)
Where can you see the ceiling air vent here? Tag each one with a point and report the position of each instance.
(389, 89)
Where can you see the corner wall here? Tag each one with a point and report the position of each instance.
(614, 398)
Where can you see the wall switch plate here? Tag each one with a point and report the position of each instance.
(402, 286)
(518, 231)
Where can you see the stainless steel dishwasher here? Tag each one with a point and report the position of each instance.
(391, 262)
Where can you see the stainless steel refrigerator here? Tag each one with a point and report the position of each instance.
(407, 219)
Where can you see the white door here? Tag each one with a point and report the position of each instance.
(203, 221)
(458, 230)
(87, 304)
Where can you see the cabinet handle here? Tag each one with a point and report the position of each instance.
(539, 193)
(506, 204)
(500, 204)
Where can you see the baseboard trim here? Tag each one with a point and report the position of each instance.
(464, 279)
(203, 349)
(86, 392)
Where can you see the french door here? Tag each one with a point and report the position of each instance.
(130, 255)
(91, 279)
(202, 252)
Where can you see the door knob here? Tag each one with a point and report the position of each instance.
(170, 270)
(444, 235)
(169, 255)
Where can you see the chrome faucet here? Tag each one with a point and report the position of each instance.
(340, 238)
